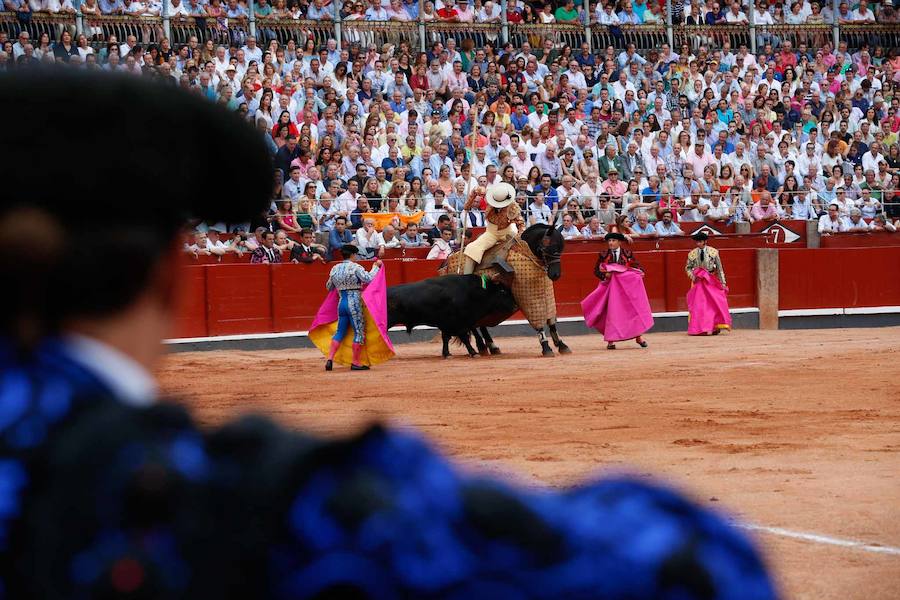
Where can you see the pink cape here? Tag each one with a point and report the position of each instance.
(619, 308)
(707, 302)
(378, 347)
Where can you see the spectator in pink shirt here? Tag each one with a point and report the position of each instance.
(764, 210)
(613, 186)
(699, 157)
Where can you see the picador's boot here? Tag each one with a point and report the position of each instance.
(357, 352)
(469, 267)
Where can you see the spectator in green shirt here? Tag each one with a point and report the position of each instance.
(567, 13)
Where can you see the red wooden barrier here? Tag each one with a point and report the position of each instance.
(239, 299)
(860, 240)
(191, 316)
(225, 259)
(748, 240)
(839, 277)
(297, 293)
(298, 290)
(235, 299)
(405, 253)
(782, 232)
(689, 227)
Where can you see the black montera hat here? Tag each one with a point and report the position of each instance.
(700, 236)
(135, 160)
(131, 153)
(614, 235)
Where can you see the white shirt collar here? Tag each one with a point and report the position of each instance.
(128, 381)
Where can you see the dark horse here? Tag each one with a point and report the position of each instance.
(547, 245)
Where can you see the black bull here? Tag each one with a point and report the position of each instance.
(455, 304)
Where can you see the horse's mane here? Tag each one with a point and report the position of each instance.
(535, 233)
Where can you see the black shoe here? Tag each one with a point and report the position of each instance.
(359, 368)
(643, 344)
(329, 365)
(716, 331)
(610, 346)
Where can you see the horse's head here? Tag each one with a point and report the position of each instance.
(547, 244)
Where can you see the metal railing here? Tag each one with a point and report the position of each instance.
(479, 33)
(875, 34)
(39, 24)
(182, 29)
(379, 33)
(644, 37)
(146, 29)
(712, 35)
(420, 34)
(561, 34)
(814, 36)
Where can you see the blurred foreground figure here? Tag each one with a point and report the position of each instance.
(106, 492)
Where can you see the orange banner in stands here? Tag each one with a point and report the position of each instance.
(382, 219)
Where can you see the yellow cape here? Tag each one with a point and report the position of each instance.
(374, 351)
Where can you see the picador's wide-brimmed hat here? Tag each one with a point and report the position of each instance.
(500, 195)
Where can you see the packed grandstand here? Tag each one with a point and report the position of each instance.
(637, 118)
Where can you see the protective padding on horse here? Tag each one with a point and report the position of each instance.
(531, 288)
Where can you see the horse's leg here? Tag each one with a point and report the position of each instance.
(445, 338)
(545, 345)
(479, 343)
(560, 345)
(492, 347)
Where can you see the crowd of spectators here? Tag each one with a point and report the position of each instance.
(609, 13)
(610, 139)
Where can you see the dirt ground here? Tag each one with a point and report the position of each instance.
(797, 430)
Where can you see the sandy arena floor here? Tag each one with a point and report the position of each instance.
(793, 430)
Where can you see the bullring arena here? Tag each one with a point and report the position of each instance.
(792, 432)
(246, 184)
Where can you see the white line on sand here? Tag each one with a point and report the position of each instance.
(822, 539)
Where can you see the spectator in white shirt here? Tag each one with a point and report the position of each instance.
(489, 13)
(252, 51)
(568, 229)
(871, 158)
(593, 230)
(576, 77)
(862, 14)
(178, 9)
(571, 125)
(349, 200)
(367, 239)
(521, 162)
(623, 85)
(715, 208)
(869, 206)
(832, 222)
(856, 223)
(538, 211)
(735, 14)
(388, 238)
(880, 223)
